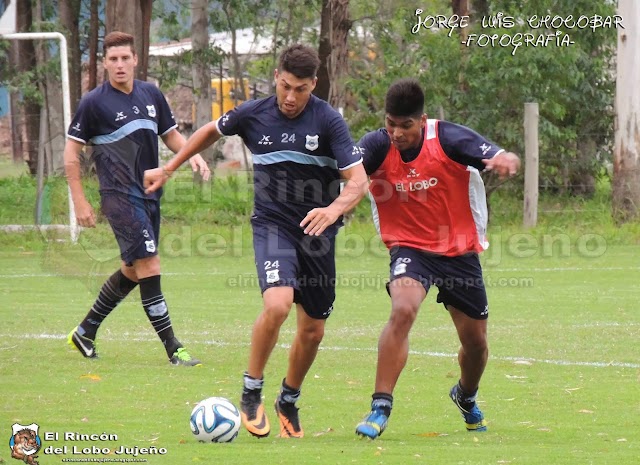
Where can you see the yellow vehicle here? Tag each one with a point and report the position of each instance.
(224, 96)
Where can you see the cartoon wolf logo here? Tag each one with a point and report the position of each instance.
(25, 443)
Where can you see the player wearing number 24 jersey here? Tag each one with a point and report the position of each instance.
(302, 151)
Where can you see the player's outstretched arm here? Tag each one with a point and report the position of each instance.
(319, 219)
(175, 141)
(506, 164)
(83, 210)
(201, 139)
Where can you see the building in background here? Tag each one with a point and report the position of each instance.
(227, 92)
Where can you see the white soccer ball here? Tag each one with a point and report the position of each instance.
(215, 419)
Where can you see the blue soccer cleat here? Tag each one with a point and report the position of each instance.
(373, 425)
(473, 418)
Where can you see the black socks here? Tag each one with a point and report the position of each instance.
(466, 400)
(288, 394)
(382, 401)
(158, 312)
(114, 289)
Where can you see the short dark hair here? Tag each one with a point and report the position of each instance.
(300, 60)
(404, 98)
(118, 39)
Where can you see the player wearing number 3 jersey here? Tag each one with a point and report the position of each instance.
(122, 120)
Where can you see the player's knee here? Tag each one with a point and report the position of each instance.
(403, 313)
(312, 334)
(276, 311)
(475, 342)
(145, 267)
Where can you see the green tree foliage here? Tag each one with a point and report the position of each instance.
(170, 20)
(482, 86)
(485, 87)
(285, 21)
(387, 50)
(27, 83)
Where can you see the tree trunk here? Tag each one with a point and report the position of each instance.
(274, 53)
(51, 131)
(27, 62)
(69, 12)
(200, 68)
(581, 182)
(333, 51)
(121, 16)
(143, 42)
(341, 24)
(94, 25)
(238, 84)
(461, 8)
(17, 113)
(132, 17)
(626, 155)
(480, 8)
(323, 86)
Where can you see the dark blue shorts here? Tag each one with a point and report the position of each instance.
(458, 279)
(294, 259)
(135, 223)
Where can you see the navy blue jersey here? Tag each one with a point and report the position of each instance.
(461, 144)
(296, 160)
(123, 129)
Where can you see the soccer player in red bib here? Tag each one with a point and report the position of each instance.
(430, 209)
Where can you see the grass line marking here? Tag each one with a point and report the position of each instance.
(488, 271)
(139, 338)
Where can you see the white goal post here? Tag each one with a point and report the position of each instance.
(5, 24)
(8, 9)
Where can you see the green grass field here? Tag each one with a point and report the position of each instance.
(561, 386)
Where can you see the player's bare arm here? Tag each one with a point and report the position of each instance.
(319, 219)
(201, 139)
(82, 208)
(506, 164)
(175, 141)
